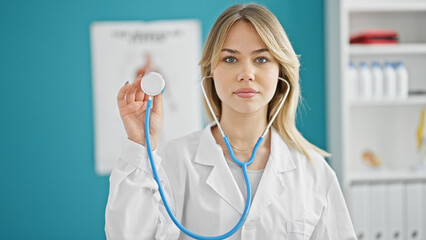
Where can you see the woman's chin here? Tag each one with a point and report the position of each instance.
(248, 109)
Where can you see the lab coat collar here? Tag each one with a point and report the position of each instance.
(279, 150)
(206, 147)
(271, 185)
(209, 153)
(281, 156)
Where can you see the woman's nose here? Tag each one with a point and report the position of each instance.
(246, 72)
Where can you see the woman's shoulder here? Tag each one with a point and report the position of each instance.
(316, 167)
(180, 154)
(187, 144)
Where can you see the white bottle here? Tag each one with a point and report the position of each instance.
(390, 81)
(353, 82)
(402, 83)
(378, 79)
(366, 81)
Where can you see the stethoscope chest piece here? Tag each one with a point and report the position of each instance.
(152, 83)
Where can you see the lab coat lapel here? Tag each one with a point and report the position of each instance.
(272, 185)
(220, 178)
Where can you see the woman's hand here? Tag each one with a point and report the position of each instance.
(132, 102)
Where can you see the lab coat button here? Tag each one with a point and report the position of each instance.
(249, 225)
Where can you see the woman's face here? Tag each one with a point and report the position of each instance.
(246, 75)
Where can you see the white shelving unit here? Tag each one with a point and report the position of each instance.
(389, 202)
(386, 176)
(411, 101)
(400, 49)
(385, 6)
(387, 127)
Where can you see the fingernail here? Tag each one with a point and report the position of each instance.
(126, 83)
(140, 75)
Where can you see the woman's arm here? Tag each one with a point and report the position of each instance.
(335, 223)
(134, 209)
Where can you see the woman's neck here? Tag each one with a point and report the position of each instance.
(243, 130)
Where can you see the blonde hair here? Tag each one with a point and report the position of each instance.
(273, 35)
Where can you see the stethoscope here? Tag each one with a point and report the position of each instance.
(153, 84)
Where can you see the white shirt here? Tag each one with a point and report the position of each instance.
(296, 198)
(254, 177)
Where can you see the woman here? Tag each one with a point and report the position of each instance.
(296, 194)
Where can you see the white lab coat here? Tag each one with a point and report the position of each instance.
(296, 199)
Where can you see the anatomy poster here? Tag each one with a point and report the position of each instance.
(121, 51)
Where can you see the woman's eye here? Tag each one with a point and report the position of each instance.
(262, 60)
(230, 59)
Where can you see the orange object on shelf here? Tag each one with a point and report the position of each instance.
(371, 159)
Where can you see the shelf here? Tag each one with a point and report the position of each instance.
(386, 175)
(411, 101)
(391, 49)
(386, 6)
(355, 124)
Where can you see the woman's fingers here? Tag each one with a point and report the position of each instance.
(157, 105)
(131, 93)
(140, 95)
(121, 100)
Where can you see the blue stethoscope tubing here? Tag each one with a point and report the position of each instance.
(244, 166)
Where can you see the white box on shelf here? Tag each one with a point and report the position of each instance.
(395, 209)
(360, 210)
(415, 209)
(378, 215)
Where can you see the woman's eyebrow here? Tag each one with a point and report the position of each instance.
(230, 51)
(260, 51)
(233, 51)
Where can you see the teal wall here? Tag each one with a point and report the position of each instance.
(48, 185)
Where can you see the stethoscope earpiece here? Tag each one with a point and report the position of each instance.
(152, 83)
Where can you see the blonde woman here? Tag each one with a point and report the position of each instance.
(295, 194)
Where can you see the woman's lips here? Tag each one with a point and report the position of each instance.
(246, 92)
